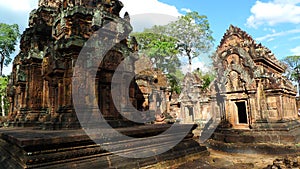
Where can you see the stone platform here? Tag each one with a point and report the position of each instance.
(277, 140)
(30, 148)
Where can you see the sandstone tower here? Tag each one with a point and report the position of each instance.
(40, 88)
(256, 102)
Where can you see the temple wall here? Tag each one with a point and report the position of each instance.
(298, 104)
(250, 77)
(289, 107)
(254, 114)
(273, 107)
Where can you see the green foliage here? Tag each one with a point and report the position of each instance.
(189, 36)
(293, 63)
(174, 81)
(192, 32)
(3, 87)
(206, 78)
(9, 35)
(161, 50)
(3, 84)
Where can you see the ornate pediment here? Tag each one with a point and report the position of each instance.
(236, 69)
(235, 38)
(239, 61)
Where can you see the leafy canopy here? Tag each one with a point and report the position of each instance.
(189, 36)
(9, 35)
(207, 78)
(192, 32)
(3, 87)
(161, 49)
(293, 63)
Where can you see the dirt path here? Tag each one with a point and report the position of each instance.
(222, 160)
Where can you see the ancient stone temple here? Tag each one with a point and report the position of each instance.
(198, 105)
(256, 102)
(190, 98)
(40, 88)
(43, 103)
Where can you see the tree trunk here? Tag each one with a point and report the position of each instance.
(190, 63)
(1, 68)
(1, 63)
(2, 106)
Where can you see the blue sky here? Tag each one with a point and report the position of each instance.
(274, 23)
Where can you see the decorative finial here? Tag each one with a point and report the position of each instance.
(127, 17)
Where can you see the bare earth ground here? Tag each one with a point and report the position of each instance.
(222, 160)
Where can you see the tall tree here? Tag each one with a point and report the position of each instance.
(161, 50)
(293, 63)
(9, 35)
(189, 36)
(192, 32)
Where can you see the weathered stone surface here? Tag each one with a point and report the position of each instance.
(250, 81)
(26, 148)
(45, 78)
(256, 103)
(40, 88)
(190, 99)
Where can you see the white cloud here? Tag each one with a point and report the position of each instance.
(269, 29)
(7, 69)
(141, 21)
(294, 38)
(295, 51)
(19, 5)
(202, 64)
(274, 12)
(134, 7)
(186, 10)
(270, 37)
(146, 13)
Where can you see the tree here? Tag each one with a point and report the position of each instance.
(192, 32)
(161, 49)
(293, 63)
(189, 36)
(9, 35)
(3, 87)
(207, 78)
(174, 81)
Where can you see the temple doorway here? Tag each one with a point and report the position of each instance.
(242, 112)
(189, 114)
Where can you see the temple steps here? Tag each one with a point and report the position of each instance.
(29, 148)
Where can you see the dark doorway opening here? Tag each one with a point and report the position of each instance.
(242, 112)
(191, 113)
